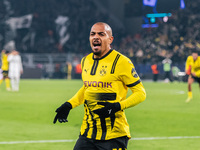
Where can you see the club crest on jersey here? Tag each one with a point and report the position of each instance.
(134, 73)
(103, 70)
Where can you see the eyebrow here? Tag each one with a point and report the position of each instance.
(97, 32)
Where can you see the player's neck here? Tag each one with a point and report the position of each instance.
(101, 54)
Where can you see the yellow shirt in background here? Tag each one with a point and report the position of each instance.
(5, 64)
(194, 65)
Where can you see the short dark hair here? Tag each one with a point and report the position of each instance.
(7, 51)
(195, 51)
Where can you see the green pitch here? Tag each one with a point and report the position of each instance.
(27, 116)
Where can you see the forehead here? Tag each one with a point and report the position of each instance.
(98, 28)
(194, 54)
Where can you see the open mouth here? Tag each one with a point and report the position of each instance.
(96, 44)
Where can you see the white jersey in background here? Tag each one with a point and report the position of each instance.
(15, 69)
(1, 74)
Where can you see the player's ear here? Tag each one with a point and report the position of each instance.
(111, 39)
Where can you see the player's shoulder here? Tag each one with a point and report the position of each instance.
(88, 56)
(190, 58)
(198, 58)
(122, 57)
(3, 55)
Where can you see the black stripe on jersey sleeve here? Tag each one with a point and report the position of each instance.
(83, 62)
(94, 67)
(114, 63)
(134, 84)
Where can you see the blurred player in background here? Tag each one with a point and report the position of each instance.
(155, 71)
(107, 75)
(15, 69)
(1, 74)
(68, 70)
(5, 68)
(167, 69)
(175, 73)
(192, 68)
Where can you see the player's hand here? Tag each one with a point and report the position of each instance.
(108, 110)
(193, 74)
(62, 112)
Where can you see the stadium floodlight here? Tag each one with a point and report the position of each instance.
(151, 3)
(149, 25)
(157, 15)
(153, 20)
(182, 4)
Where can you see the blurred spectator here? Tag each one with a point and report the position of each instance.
(67, 70)
(57, 73)
(167, 69)
(78, 71)
(155, 71)
(44, 72)
(175, 73)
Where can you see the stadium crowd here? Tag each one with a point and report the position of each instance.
(175, 38)
(56, 28)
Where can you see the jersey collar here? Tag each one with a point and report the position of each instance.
(103, 56)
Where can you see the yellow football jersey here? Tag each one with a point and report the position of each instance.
(107, 80)
(195, 65)
(4, 61)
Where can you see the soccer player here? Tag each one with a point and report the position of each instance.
(155, 71)
(106, 75)
(15, 69)
(192, 68)
(1, 74)
(5, 67)
(167, 68)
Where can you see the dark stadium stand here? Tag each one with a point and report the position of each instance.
(62, 27)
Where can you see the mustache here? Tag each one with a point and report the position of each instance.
(96, 40)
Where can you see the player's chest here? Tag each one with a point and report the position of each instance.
(196, 63)
(99, 70)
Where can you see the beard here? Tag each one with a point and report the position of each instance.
(98, 53)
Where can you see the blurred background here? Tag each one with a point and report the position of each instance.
(52, 36)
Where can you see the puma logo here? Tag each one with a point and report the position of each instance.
(86, 70)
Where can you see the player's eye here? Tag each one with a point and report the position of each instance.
(101, 34)
(91, 34)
